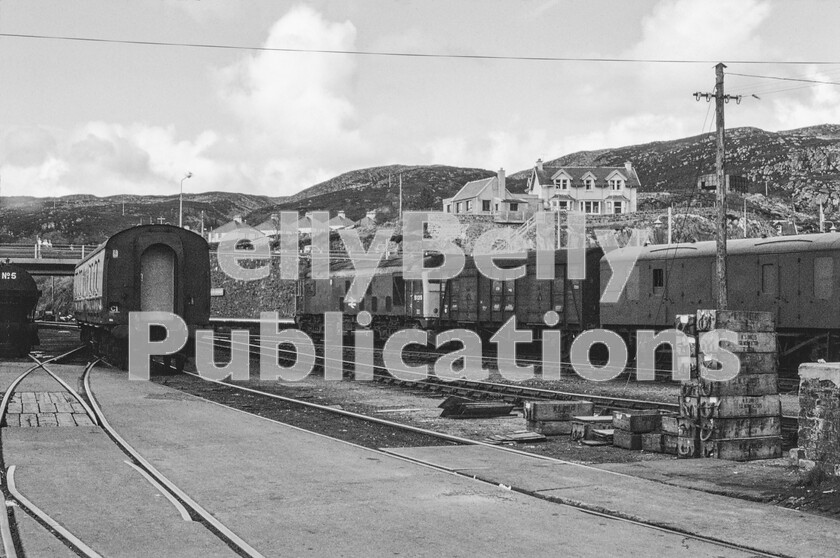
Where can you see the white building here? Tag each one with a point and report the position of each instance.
(592, 190)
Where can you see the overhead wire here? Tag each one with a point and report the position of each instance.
(383, 53)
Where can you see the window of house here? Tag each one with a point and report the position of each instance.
(562, 183)
(485, 205)
(469, 205)
(347, 287)
(458, 207)
(497, 207)
(658, 279)
(449, 208)
(592, 207)
(562, 205)
(768, 279)
(514, 207)
(823, 277)
(588, 183)
(618, 207)
(616, 184)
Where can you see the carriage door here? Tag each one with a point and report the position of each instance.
(768, 285)
(157, 279)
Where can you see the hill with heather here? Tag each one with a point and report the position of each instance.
(799, 169)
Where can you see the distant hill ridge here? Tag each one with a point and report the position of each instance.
(801, 166)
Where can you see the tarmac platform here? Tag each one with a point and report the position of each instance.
(286, 491)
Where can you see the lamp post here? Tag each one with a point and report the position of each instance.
(181, 200)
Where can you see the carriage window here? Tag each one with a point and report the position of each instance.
(374, 304)
(658, 279)
(823, 277)
(341, 303)
(768, 279)
(346, 287)
(388, 304)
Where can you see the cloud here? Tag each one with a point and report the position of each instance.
(297, 101)
(106, 158)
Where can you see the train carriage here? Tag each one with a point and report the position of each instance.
(144, 268)
(795, 278)
(18, 297)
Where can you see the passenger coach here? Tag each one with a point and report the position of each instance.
(145, 268)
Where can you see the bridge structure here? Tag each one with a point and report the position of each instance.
(45, 259)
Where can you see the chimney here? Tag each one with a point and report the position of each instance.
(628, 166)
(501, 177)
(539, 164)
(341, 214)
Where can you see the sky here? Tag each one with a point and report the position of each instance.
(105, 118)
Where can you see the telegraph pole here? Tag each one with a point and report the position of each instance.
(720, 99)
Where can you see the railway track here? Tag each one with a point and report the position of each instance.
(518, 394)
(331, 410)
(188, 508)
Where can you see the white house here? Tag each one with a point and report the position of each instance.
(592, 190)
(490, 196)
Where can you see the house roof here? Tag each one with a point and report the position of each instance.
(547, 175)
(472, 189)
(268, 225)
(339, 221)
(230, 226)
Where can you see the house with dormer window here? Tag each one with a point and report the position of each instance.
(592, 190)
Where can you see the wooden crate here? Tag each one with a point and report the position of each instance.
(744, 384)
(582, 426)
(637, 422)
(749, 427)
(626, 439)
(557, 410)
(652, 441)
(740, 406)
(688, 447)
(744, 449)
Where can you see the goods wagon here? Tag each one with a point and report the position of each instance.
(793, 277)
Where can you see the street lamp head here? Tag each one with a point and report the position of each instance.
(188, 175)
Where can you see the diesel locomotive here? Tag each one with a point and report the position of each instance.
(18, 297)
(144, 268)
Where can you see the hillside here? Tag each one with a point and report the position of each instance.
(90, 219)
(801, 165)
(356, 192)
(800, 168)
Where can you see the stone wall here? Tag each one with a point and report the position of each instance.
(819, 416)
(246, 299)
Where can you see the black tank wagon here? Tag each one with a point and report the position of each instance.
(18, 296)
(144, 268)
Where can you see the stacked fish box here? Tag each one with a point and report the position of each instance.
(553, 418)
(664, 439)
(629, 427)
(739, 419)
